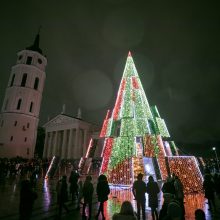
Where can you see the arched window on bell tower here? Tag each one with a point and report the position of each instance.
(24, 79)
(31, 107)
(29, 60)
(36, 83)
(12, 80)
(19, 104)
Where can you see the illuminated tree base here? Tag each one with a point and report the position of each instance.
(186, 168)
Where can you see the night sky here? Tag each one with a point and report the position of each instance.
(175, 48)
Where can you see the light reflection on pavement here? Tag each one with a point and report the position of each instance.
(45, 206)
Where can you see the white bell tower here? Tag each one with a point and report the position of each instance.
(21, 106)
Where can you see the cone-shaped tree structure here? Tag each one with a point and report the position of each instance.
(127, 127)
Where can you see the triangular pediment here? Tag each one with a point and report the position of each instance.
(60, 120)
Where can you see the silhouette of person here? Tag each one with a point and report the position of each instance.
(168, 186)
(179, 194)
(80, 195)
(174, 210)
(216, 180)
(139, 189)
(27, 198)
(199, 214)
(102, 191)
(126, 212)
(168, 190)
(73, 180)
(209, 188)
(87, 195)
(153, 190)
(33, 179)
(62, 195)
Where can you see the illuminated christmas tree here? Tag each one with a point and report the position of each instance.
(135, 139)
(131, 131)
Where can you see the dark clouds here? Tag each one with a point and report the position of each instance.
(175, 47)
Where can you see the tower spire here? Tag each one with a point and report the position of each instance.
(35, 46)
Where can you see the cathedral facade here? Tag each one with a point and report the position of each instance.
(68, 137)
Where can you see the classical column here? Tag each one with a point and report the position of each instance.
(46, 147)
(76, 145)
(85, 142)
(64, 144)
(50, 147)
(55, 144)
(69, 150)
(67, 143)
(73, 143)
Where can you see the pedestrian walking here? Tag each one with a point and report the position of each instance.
(62, 195)
(209, 188)
(102, 191)
(152, 191)
(73, 180)
(179, 193)
(27, 198)
(87, 195)
(139, 189)
(168, 190)
(80, 194)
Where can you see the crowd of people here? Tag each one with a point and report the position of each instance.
(79, 190)
(172, 189)
(74, 189)
(173, 206)
(23, 168)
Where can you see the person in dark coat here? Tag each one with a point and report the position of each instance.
(126, 212)
(87, 195)
(169, 192)
(33, 179)
(27, 198)
(179, 193)
(152, 191)
(199, 214)
(216, 180)
(209, 188)
(174, 210)
(168, 186)
(80, 194)
(73, 180)
(139, 189)
(102, 191)
(62, 195)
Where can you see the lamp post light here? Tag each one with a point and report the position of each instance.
(214, 149)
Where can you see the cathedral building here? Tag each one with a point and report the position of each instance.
(68, 137)
(21, 106)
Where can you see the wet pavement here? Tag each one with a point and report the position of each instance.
(45, 206)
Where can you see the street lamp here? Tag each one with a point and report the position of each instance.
(214, 149)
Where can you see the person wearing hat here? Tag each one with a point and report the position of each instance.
(139, 189)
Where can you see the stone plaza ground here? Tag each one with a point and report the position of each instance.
(45, 206)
